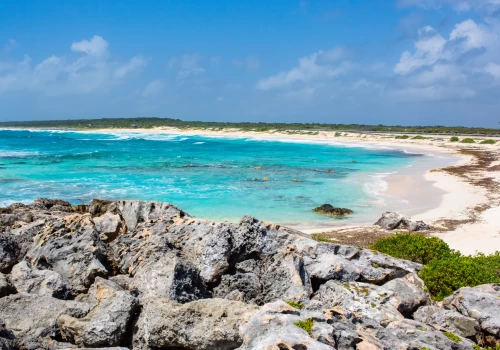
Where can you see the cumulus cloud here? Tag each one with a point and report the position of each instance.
(93, 70)
(319, 66)
(493, 69)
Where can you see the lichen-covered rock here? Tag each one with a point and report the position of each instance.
(198, 325)
(333, 211)
(106, 323)
(481, 303)
(71, 247)
(28, 315)
(42, 282)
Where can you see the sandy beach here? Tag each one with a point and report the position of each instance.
(458, 196)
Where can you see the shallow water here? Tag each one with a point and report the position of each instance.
(214, 178)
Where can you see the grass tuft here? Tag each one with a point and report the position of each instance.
(306, 325)
(295, 305)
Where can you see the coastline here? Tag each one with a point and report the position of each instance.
(465, 215)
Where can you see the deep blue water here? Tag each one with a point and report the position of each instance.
(213, 178)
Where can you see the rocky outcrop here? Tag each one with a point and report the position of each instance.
(146, 275)
(394, 220)
(333, 211)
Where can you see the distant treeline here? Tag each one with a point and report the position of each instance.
(86, 124)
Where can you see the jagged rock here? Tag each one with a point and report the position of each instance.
(6, 287)
(28, 315)
(272, 327)
(423, 313)
(7, 339)
(106, 323)
(41, 282)
(122, 280)
(135, 212)
(394, 220)
(333, 211)
(9, 252)
(71, 247)
(482, 303)
(109, 225)
(198, 325)
(245, 287)
(408, 294)
(170, 277)
(455, 322)
(51, 205)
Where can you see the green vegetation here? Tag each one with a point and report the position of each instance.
(320, 237)
(454, 139)
(402, 137)
(419, 137)
(488, 142)
(89, 124)
(414, 247)
(306, 325)
(477, 347)
(453, 337)
(338, 134)
(468, 140)
(425, 348)
(445, 270)
(295, 304)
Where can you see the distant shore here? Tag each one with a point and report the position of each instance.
(461, 202)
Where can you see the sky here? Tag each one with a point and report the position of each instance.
(400, 62)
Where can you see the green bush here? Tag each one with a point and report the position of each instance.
(442, 277)
(320, 237)
(490, 262)
(295, 304)
(419, 137)
(306, 325)
(402, 137)
(468, 140)
(414, 247)
(488, 142)
(337, 134)
(454, 139)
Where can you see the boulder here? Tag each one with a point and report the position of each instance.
(333, 211)
(452, 321)
(481, 303)
(408, 294)
(390, 220)
(107, 321)
(71, 247)
(109, 226)
(28, 315)
(9, 252)
(42, 282)
(7, 339)
(198, 325)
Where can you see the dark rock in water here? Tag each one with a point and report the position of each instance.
(333, 211)
(177, 282)
(394, 220)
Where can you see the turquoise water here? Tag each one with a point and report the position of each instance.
(213, 178)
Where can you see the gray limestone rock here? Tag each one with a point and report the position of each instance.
(42, 282)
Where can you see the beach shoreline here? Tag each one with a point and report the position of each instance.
(444, 196)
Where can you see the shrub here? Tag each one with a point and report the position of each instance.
(454, 139)
(468, 140)
(295, 304)
(337, 134)
(306, 325)
(453, 337)
(442, 277)
(419, 137)
(402, 137)
(321, 237)
(488, 142)
(414, 247)
(490, 262)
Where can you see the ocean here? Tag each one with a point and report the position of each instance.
(217, 178)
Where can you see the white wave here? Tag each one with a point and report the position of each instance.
(198, 143)
(16, 154)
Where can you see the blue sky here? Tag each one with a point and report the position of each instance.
(392, 62)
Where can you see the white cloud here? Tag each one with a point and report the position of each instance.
(11, 44)
(250, 63)
(153, 88)
(430, 93)
(493, 69)
(187, 65)
(131, 66)
(97, 46)
(311, 68)
(90, 72)
(439, 73)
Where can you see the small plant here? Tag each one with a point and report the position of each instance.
(454, 139)
(453, 337)
(337, 134)
(414, 247)
(468, 140)
(488, 142)
(306, 325)
(442, 277)
(320, 237)
(402, 137)
(373, 305)
(295, 305)
(477, 347)
(425, 348)
(419, 137)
